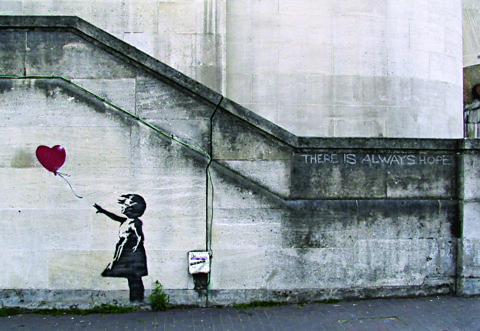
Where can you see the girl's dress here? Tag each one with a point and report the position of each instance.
(128, 262)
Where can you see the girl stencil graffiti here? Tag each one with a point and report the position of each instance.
(129, 259)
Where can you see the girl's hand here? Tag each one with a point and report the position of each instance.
(99, 209)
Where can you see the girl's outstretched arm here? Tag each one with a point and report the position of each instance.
(111, 215)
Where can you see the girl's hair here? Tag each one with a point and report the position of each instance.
(138, 204)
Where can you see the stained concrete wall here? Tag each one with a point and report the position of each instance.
(188, 35)
(111, 114)
(286, 218)
(57, 246)
(468, 259)
(316, 68)
(332, 218)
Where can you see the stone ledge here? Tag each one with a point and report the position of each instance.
(293, 296)
(123, 49)
(113, 45)
(84, 299)
(381, 143)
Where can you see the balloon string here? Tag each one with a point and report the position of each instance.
(71, 188)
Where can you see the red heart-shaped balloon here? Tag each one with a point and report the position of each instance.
(52, 158)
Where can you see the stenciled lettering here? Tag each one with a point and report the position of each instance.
(321, 158)
(393, 159)
(349, 158)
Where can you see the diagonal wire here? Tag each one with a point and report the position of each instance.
(117, 107)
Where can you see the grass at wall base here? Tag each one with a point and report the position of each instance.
(159, 300)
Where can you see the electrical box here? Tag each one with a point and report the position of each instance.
(198, 262)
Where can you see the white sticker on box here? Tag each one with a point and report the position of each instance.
(198, 262)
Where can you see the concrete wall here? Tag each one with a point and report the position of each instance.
(317, 68)
(188, 35)
(331, 218)
(469, 262)
(349, 68)
(286, 218)
(57, 246)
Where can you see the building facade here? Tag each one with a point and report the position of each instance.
(316, 68)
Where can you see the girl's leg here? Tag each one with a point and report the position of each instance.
(137, 291)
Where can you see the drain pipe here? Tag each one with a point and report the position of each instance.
(200, 261)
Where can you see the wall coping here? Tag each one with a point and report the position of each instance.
(121, 48)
